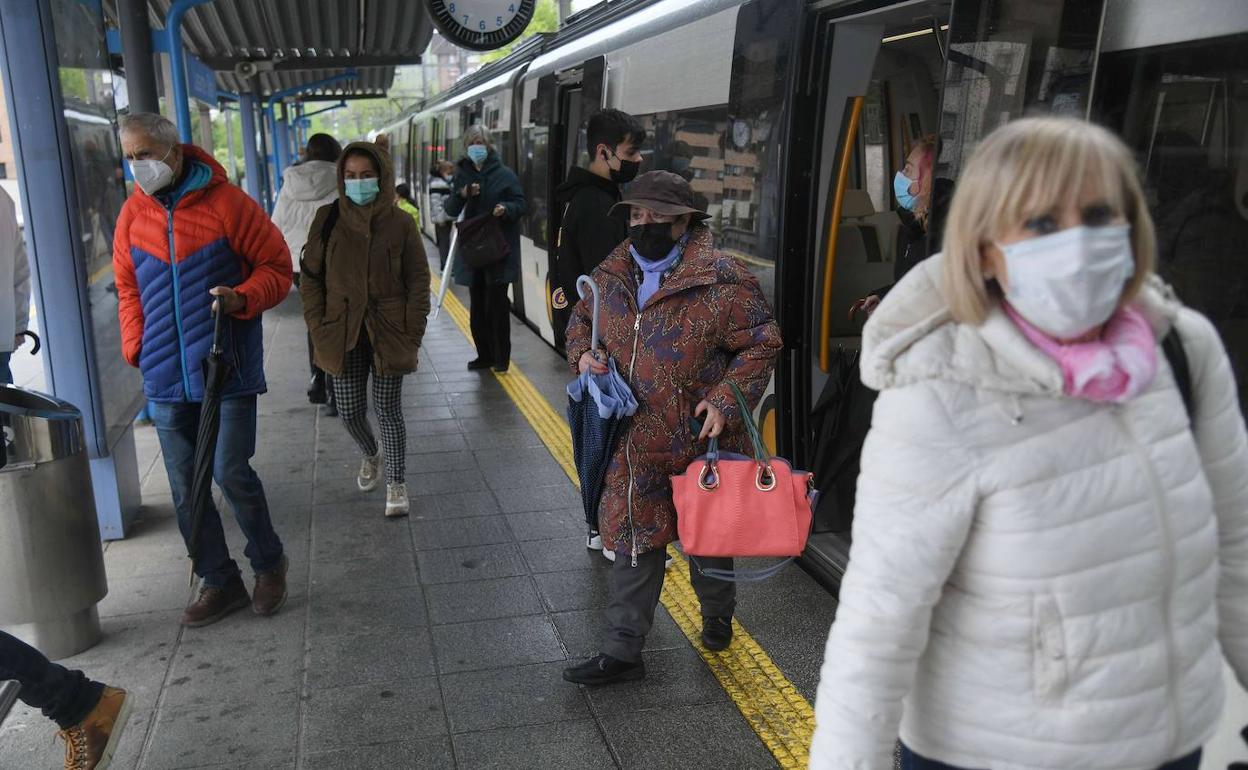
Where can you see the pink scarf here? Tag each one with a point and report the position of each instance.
(1113, 369)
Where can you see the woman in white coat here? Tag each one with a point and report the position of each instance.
(1050, 558)
(307, 187)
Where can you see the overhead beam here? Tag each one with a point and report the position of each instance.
(297, 63)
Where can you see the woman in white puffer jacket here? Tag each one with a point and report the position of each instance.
(1049, 559)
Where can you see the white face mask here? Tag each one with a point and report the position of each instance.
(1070, 282)
(152, 176)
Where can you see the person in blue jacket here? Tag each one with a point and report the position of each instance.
(483, 185)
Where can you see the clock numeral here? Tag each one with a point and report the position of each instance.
(511, 8)
(451, 8)
(498, 21)
(481, 25)
(465, 19)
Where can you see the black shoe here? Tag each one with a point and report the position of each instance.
(317, 393)
(604, 669)
(500, 368)
(716, 633)
(479, 363)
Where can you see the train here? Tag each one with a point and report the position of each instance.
(789, 119)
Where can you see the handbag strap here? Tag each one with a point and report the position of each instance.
(760, 449)
(741, 575)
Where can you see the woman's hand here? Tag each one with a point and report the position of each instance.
(470, 191)
(499, 209)
(591, 363)
(867, 304)
(714, 423)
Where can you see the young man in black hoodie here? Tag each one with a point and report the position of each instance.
(588, 233)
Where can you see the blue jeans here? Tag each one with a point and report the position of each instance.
(912, 761)
(177, 426)
(6, 374)
(66, 697)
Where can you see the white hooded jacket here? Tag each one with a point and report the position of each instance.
(14, 276)
(305, 188)
(1035, 581)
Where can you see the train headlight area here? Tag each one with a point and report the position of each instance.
(790, 119)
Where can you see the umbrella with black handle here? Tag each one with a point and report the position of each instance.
(216, 372)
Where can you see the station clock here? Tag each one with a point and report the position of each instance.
(481, 25)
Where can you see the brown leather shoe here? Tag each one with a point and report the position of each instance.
(89, 745)
(270, 592)
(215, 603)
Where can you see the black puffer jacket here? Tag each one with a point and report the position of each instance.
(587, 234)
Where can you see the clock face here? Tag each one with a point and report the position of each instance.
(481, 25)
(740, 134)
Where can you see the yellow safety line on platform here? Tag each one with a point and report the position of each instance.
(777, 712)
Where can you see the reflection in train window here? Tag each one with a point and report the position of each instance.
(535, 146)
(724, 174)
(1183, 109)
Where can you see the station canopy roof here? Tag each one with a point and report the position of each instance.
(300, 41)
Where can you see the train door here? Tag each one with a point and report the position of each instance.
(893, 80)
(574, 94)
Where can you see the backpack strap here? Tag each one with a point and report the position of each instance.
(327, 229)
(1176, 356)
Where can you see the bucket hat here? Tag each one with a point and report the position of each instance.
(663, 193)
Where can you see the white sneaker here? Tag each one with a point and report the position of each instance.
(608, 555)
(593, 541)
(396, 500)
(370, 473)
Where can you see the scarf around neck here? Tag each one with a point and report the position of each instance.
(652, 270)
(1112, 369)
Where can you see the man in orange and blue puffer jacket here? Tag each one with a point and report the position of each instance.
(188, 239)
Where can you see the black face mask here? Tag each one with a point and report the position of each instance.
(627, 171)
(653, 241)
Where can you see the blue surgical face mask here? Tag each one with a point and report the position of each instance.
(477, 153)
(901, 189)
(362, 191)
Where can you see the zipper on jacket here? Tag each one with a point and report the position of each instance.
(628, 440)
(177, 314)
(1168, 568)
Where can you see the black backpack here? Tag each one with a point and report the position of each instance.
(1176, 356)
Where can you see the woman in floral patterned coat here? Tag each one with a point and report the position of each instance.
(682, 321)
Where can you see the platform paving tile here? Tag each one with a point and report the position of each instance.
(576, 745)
(378, 658)
(547, 525)
(391, 611)
(438, 534)
(511, 697)
(254, 725)
(431, 753)
(577, 590)
(465, 602)
(372, 713)
(496, 643)
(481, 562)
(674, 677)
(705, 737)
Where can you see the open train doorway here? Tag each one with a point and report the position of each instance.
(880, 106)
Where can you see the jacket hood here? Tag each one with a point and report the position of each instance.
(385, 181)
(311, 180)
(912, 337)
(578, 178)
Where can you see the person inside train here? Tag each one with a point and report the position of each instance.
(587, 232)
(307, 187)
(484, 186)
(921, 200)
(667, 275)
(439, 188)
(365, 293)
(1050, 545)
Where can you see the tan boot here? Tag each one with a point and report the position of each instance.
(90, 744)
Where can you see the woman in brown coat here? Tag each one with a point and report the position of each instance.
(365, 291)
(682, 322)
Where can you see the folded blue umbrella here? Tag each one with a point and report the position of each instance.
(599, 407)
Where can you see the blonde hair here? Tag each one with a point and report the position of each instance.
(1024, 169)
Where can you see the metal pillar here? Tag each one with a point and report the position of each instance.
(251, 158)
(177, 64)
(265, 182)
(281, 146)
(136, 54)
(49, 186)
(229, 143)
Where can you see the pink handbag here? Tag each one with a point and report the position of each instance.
(732, 505)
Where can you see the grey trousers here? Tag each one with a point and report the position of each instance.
(635, 596)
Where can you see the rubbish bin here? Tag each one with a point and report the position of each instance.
(51, 560)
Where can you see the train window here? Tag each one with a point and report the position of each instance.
(535, 149)
(1183, 109)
